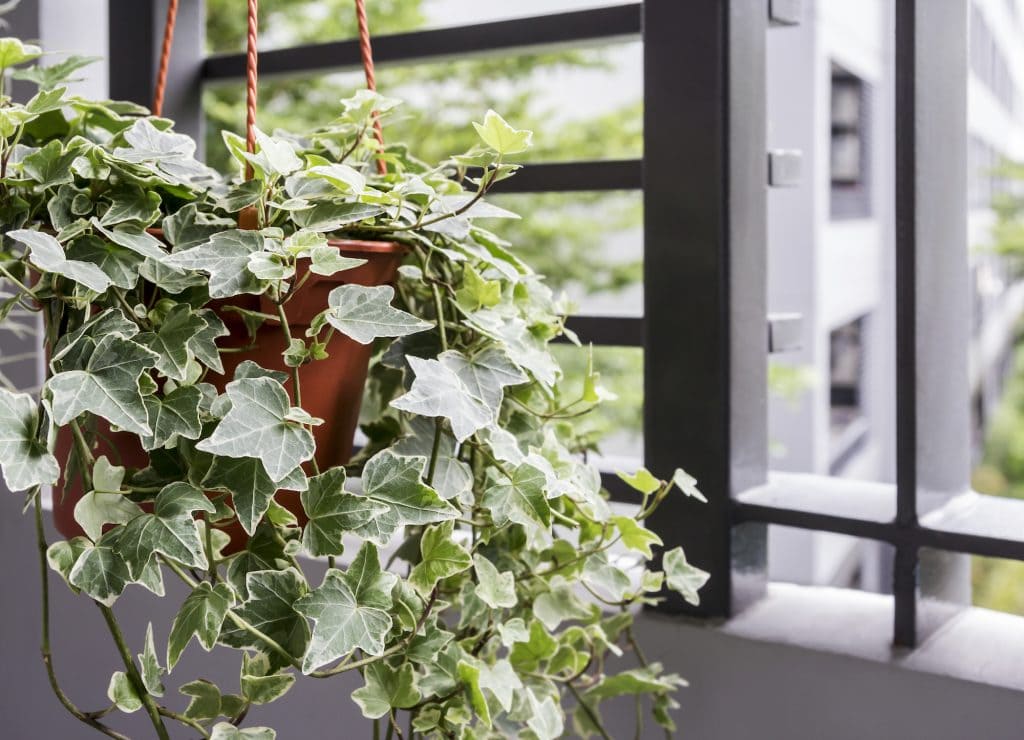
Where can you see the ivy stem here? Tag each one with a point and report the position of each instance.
(208, 532)
(591, 715)
(184, 720)
(133, 672)
(89, 718)
(287, 330)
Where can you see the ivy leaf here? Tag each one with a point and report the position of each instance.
(559, 604)
(350, 610)
(437, 390)
(636, 537)
(501, 137)
(642, 480)
(249, 485)
(332, 512)
(635, 681)
(259, 685)
(327, 217)
(527, 655)
(227, 731)
(50, 166)
(13, 51)
(188, 228)
(225, 258)
(203, 343)
(545, 718)
(105, 504)
(257, 426)
(132, 204)
(485, 375)
(328, 260)
(386, 688)
(150, 665)
(202, 614)
(107, 387)
(123, 694)
(341, 176)
(272, 609)
(100, 572)
(171, 341)
(63, 554)
(497, 590)
(469, 673)
(441, 557)
(47, 254)
(603, 576)
(173, 415)
(687, 484)
(395, 481)
(120, 265)
(452, 477)
(170, 530)
(205, 699)
(274, 157)
(24, 459)
(365, 313)
(681, 577)
(521, 499)
(476, 292)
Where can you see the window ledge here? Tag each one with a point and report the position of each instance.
(969, 643)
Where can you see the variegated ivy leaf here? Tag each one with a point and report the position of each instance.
(259, 685)
(108, 386)
(365, 313)
(274, 157)
(227, 731)
(332, 512)
(203, 343)
(47, 254)
(496, 133)
(250, 486)
(440, 557)
(105, 504)
(437, 390)
(344, 178)
(63, 554)
(134, 237)
(257, 426)
(350, 610)
(395, 481)
(131, 204)
(170, 530)
(387, 688)
(328, 260)
(271, 608)
(149, 664)
(225, 258)
(172, 416)
(485, 374)
(520, 499)
(452, 477)
(188, 228)
(559, 603)
(681, 577)
(120, 265)
(172, 341)
(545, 719)
(201, 615)
(13, 51)
(71, 352)
(50, 166)
(327, 217)
(24, 459)
(99, 571)
(496, 589)
(121, 692)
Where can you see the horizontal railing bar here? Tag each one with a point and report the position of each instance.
(620, 21)
(608, 331)
(558, 177)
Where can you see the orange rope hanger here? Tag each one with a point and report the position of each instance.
(251, 72)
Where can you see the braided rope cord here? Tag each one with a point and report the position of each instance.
(251, 83)
(366, 52)
(165, 58)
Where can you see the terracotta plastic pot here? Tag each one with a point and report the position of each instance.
(332, 388)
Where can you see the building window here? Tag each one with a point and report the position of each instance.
(847, 423)
(848, 160)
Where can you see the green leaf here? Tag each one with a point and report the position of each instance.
(501, 137)
(469, 673)
(120, 265)
(452, 477)
(225, 258)
(100, 572)
(441, 557)
(107, 387)
(396, 482)
(437, 390)
(386, 688)
(559, 604)
(259, 685)
(62, 555)
(528, 655)
(55, 74)
(270, 266)
(641, 481)
(134, 237)
(205, 699)
(274, 157)
(257, 426)
(636, 537)
(203, 343)
(497, 590)
(636, 681)
(13, 51)
(521, 499)
(476, 292)
(344, 178)
(681, 577)
(545, 718)
(123, 694)
(24, 459)
(51, 165)
(604, 577)
(170, 530)
(365, 313)
(132, 204)
(249, 485)
(172, 416)
(328, 260)
(350, 610)
(332, 512)
(226, 731)
(202, 614)
(485, 374)
(151, 670)
(271, 608)
(687, 484)
(327, 217)
(171, 341)
(47, 254)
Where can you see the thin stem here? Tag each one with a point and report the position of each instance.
(439, 309)
(591, 715)
(296, 389)
(133, 672)
(435, 450)
(89, 718)
(208, 531)
(184, 720)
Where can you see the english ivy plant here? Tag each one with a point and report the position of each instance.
(477, 577)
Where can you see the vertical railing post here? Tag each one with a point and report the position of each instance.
(932, 291)
(136, 34)
(705, 176)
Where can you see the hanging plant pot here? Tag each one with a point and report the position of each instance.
(332, 388)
